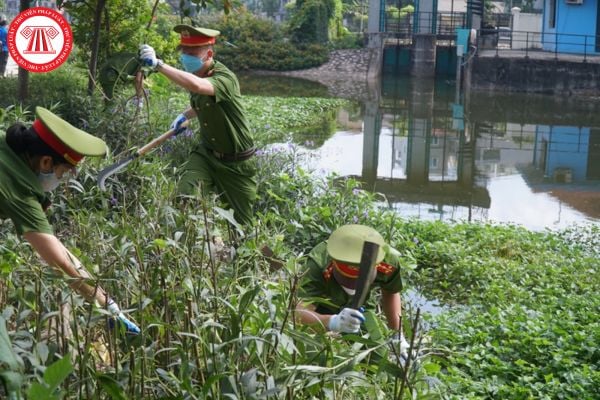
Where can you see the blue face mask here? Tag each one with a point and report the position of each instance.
(191, 63)
(48, 180)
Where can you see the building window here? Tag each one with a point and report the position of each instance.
(552, 14)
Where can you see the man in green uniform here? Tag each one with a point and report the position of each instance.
(223, 161)
(33, 161)
(329, 282)
(122, 68)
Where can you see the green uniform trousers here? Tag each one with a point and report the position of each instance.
(234, 181)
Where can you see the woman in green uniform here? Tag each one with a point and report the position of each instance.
(33, 161)
(223, 161)
(330, 282)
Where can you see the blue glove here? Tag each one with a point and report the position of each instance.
(147, 56)
(176, 124)
(130, 327)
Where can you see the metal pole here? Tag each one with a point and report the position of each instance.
(452, 24)
(458, 79)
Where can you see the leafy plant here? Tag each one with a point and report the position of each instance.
(11, 366)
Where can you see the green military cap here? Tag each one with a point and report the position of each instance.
(193, 36)
(346, 243)
(70, 142)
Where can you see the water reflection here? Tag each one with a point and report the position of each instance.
(532, 161)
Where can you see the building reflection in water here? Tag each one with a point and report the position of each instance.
(430, 152)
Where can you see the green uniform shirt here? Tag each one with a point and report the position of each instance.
(223, 124)
(318, 282)
(21, 195)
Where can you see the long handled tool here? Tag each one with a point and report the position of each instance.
(118, 166)
(367, 273)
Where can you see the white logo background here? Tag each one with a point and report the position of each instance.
(56, 43)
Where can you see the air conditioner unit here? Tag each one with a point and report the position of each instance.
(574, 2)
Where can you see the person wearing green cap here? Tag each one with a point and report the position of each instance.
(329, 282)
(33, 162)
(223, 161)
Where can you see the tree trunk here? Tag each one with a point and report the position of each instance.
(95, 45)
(23, 79)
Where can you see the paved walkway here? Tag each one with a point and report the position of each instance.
(539, 55)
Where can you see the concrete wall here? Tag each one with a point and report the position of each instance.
(534, 76)
(571, 20)
(527, 30)
(424, 55)
(452, 5)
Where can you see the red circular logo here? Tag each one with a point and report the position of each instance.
(40, 39)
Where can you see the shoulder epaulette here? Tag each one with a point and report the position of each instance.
(385, 268)
(328, 272)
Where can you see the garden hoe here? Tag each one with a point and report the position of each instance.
(118, 166)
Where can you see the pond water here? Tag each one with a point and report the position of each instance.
(438, 154)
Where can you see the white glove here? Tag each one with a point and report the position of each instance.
(347, 321)
(176, 124)
(113, 307)
(147, 56)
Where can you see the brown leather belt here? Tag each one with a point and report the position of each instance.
(241, 156)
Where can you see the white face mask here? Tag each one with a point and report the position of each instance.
(350, 292)
(48, 180)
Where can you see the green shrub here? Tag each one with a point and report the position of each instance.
(349, 41)
(278, 56)
(245, 26)
(248, 42)
(310, 21)
(64, 85)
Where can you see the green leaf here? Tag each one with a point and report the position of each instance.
(160, 243)
(38, 391)
(7, 355)
(432, 368)
(111, 387)
(58, 372)
(247, 298)
(13, 382)
(228, 215)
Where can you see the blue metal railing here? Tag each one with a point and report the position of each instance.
(561, 45)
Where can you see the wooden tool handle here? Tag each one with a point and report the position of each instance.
(149, 146)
